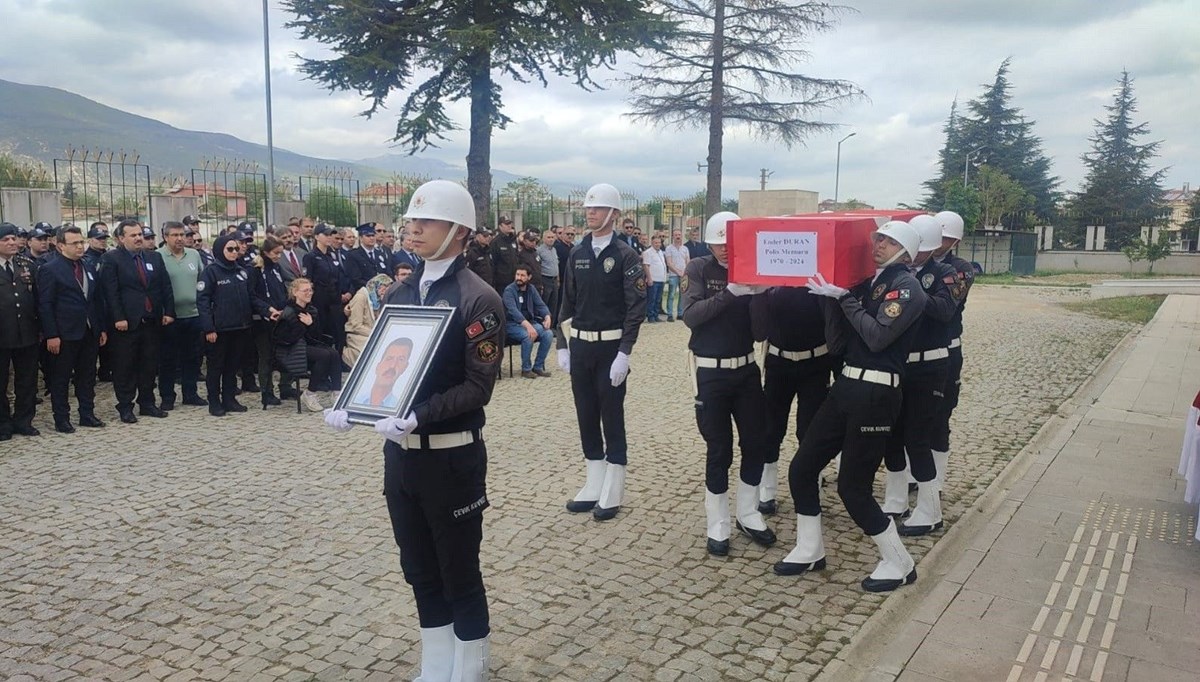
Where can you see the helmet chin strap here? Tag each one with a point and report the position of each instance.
(895, 257)
(607, 218)
(437, 255)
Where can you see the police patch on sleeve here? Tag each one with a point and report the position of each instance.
(200, 285)
(482, 326)
(927, 280)
(487, 350)
(898, 295)
(640, 285)
(893, 309)
(879, 292)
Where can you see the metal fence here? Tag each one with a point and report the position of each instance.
(102, 185)
(331, 196)
(229, 191)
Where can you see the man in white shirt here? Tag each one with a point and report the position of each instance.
(677, 257)
(655, 263)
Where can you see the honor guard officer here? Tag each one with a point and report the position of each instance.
(435, 461)
(728, 387)
(872, 326)
(964, 273)
(18, 337)
(603, 307)
(797, 366)
(924, 379)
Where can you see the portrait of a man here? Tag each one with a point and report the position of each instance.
(386, 389)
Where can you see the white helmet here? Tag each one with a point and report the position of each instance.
(602, 196)
(952, 224)
(904, 234)
(715, 228)
(930, 230)
(442, 200)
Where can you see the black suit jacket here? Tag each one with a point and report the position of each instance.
(65, 311)
(360, 267)
(124, 293)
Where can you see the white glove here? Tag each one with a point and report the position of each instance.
(564, 360)
(396, 429)
(338, 420)
(745, 289)
(822, 288)
(619, 369)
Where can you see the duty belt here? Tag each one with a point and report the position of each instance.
(441, 441)
(606, 335)
(955, 343)
(872, 375)
(725, 363)
(927, 355)
(797, 355)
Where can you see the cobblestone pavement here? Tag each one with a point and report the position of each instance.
(257, 546)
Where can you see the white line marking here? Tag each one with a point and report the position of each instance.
(1106, 640)
(1102, 579)
(1040, 677)
(1071, 551)
(1082, 577)
(1052, 596)
(1131, 545)
(1095, 538)
(1026, 648)
(1071, 600)
(1041, 619)
(1108, 557)
(1051, 652)
(1078, 533)
(1073, 663)
(1063, 621)
(1062, 571)
(1127, 565)
(1098, 666)
(1084, 630)
(1015, 673)
(1114, 613)
(1088, 556)
(1093, 604)
(1121, 583)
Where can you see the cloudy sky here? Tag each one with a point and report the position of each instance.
(198, 65)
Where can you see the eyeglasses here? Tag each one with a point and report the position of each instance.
(230, 249)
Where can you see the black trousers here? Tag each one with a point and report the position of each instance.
(46, 361)
(598, 404)
(913, 431)
(806, 381)
(264, 343)
(224, 360)
(855, 420)
(436, 499)
(24, 364)
(333, 323)
(725, 397)
(324, 368)
(551, 298)
(76, 361)
(946, 406)
(134, 355)
(179, 359)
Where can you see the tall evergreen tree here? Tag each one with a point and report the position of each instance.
(460, 48)
(1120, 191)
(950, 155)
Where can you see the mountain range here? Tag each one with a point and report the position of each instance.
(41, 123)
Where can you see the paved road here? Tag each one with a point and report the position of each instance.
(257, 546)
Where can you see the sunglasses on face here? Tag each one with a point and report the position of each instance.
(230, 249)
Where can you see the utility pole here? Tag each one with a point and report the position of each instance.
(837, 171)
(763, 174)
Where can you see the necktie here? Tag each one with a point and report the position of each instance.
(79, 273)
(8, 269)
(294, 262)
(141, 269)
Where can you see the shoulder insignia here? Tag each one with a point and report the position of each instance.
(893, 309)
(927, 280)
(482, 326)
(949, 279)
(891, 295)
(878, 291)
(634, 271)
(487, 350)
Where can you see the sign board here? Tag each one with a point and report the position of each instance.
(788, 250)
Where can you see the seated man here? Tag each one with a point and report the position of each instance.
(527, 318)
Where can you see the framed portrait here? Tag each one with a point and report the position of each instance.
(393, 364)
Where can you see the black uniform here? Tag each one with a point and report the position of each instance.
(924, 375)
(964, 277)
(267, 285)
(436, 495)
(92, 257)
(504, 260)
(602, 293)
(18, 345)
(797, 363)
(530, 259)
(361, 265)
(138, 292)
(872, 327)
(327, 278)
(721, 334)
(223, 298)
(479, 260)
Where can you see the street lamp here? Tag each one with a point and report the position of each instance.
(269, 210)
(837, 173)
(967, 163)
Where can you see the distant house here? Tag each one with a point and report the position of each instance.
(382, 193)
(210, 196)
(831, 205)
(1178, 200)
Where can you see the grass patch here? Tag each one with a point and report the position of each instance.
(1137, 309)
(1040, 279)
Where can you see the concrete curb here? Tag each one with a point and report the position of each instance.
(889, 638)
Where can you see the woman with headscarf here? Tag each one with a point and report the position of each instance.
(361, 313)
(223, 299)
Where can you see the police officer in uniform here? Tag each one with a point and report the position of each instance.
(964, 277)
(18, 337)
(223, 298)
(435, 460)
(326, 276)
(873, 326)
(728, 387)
(479, 254)
(504, 255)
(797, 366)
(366, 260)
(97, 236)
(924, 379)
(603, 307)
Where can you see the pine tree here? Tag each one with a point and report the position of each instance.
(950, 155)
(1120, 191)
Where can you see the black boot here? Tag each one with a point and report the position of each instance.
(268, 398)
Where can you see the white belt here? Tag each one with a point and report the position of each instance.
(955, 343)
(926, 356)
(440, 441)
(606, 335)
(871, 375)
(796, 355)
(725, 363)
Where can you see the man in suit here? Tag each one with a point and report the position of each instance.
(307, 241)
(404, 254)
(71, 309)
(365, 261)
(18, 336)
(290, 265)
(138, 295)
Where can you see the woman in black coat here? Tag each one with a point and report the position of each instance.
(224, 301)
(297, 323)
(270, 298)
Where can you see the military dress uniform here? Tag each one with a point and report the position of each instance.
(964, 277)
(797, 365)
(728, 390)
(18, 344)
(603, 307)
(873, 326)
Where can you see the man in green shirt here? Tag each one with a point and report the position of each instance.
(179, 357)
